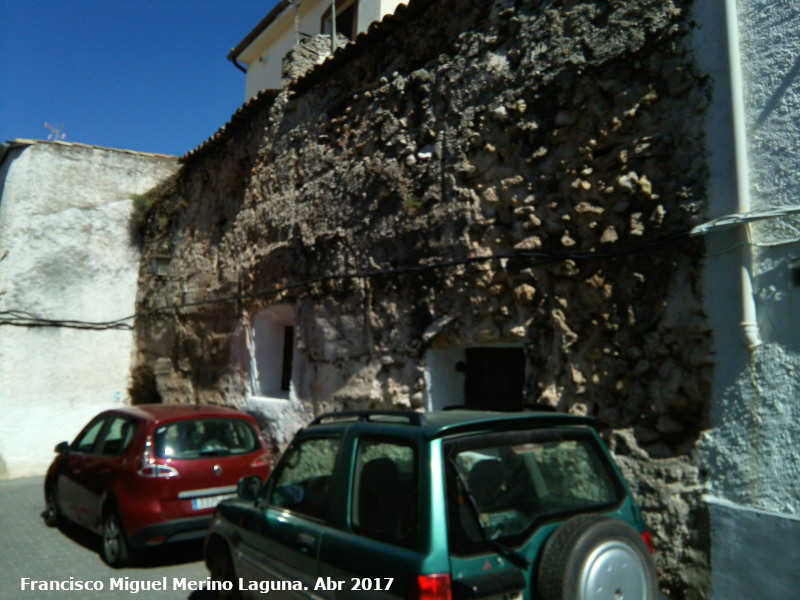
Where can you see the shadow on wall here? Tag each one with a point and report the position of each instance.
(143, 388)
(777, 96)
(745, 543)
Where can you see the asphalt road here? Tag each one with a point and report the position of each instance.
(29, 549)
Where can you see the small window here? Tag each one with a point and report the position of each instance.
(303, 479)
(494, 378)
(794, 272)
(272, 352)
(201, 438)
(85, 442)
(489, 377)
(385, 492)
(345, 20)
(118, 436)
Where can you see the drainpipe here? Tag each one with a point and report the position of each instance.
(749, 324)
(333, 27)
(238, 66)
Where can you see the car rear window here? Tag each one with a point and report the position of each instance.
(500, 485)
(201, 438)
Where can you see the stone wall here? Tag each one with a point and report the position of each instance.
(469, 173)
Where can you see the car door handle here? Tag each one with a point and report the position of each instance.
(306, 542)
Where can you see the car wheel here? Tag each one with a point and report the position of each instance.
(115, 542)
(220, 566)
(591, 557)
(51, 514)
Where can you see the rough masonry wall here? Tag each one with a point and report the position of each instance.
(484, 173)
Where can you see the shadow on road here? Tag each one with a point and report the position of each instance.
(155, 556)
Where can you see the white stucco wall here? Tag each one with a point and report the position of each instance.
(750, 454)
(375, 10)
(66, 255)
(264, 57)
(756, 407)
(770, 46)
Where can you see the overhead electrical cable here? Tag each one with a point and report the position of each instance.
(21, 318)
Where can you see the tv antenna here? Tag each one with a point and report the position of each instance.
(56, 132)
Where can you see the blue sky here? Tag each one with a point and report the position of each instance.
(143, 75)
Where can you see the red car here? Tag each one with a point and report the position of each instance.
(149, 474)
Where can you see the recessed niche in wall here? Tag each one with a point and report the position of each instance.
(480, 377)
(794, 272)
(272, 352)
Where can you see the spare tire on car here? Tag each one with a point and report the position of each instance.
(592, 557)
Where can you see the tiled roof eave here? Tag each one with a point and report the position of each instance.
(242, 115)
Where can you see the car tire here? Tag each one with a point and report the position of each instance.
(51, 514)
(591, 557)
(220, 567)
(116, 549)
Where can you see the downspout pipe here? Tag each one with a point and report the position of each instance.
(333, 27)
(238, 66)
(749, 325)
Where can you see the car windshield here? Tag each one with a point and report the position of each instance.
(201, 438)
(499, 485)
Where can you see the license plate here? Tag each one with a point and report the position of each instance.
(209, 501)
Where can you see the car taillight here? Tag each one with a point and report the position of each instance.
(647, 538)
(261, 461)
(433, 587)
(148, 466)
(153, 470)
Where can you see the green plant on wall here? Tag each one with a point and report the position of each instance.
(142, 204)
(164, 200)
(412, 204)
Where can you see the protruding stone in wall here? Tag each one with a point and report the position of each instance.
(306, 55)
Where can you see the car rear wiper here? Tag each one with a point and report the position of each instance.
(515, 557)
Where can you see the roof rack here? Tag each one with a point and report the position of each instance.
(520, 408)
(410, 417)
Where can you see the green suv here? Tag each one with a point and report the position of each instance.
(436, 506)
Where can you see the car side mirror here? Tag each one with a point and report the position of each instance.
(62, 448)
(249, 488)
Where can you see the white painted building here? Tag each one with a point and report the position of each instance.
(291, 22)
(751, 456)
(66, 254)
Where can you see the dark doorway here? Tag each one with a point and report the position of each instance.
(345, 21)
(494, 378)
(288, 353)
